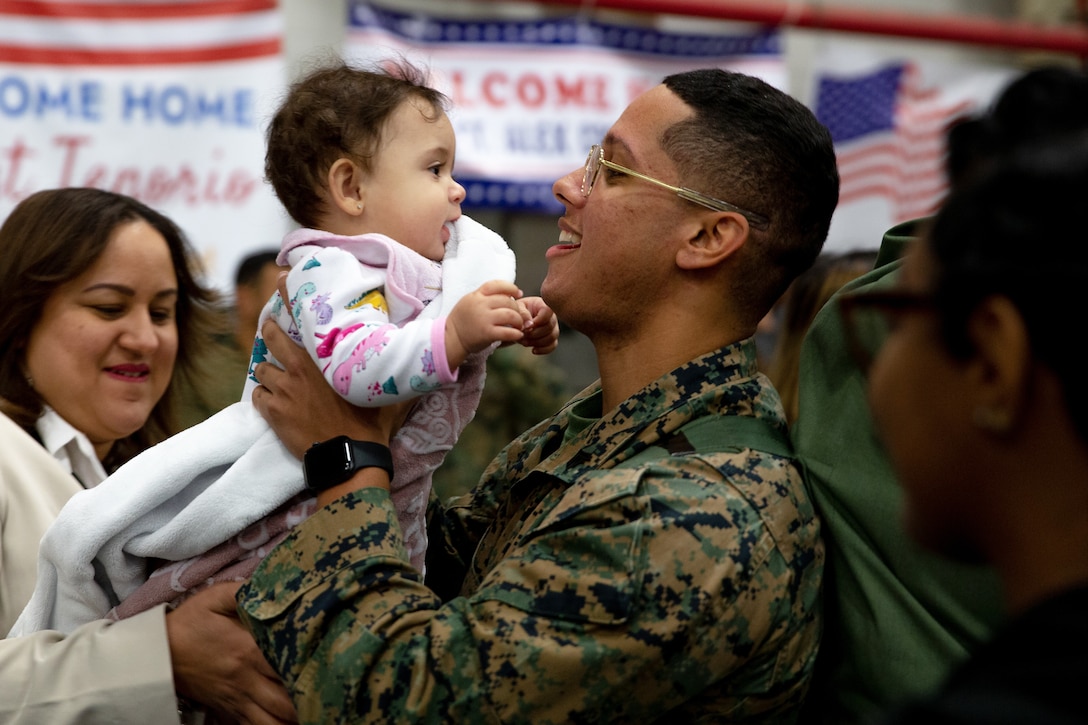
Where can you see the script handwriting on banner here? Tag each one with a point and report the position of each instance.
(155, 184)
(158, 184)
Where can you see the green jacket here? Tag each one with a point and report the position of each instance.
(897, 618)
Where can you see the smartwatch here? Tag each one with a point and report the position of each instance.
(330, 463)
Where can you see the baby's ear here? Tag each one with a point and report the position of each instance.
(346, 190)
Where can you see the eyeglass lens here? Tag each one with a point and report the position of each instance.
(593, 165)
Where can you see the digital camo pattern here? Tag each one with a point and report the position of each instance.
(564, 589)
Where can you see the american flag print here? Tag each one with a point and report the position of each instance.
(889, 132)
(135, 32)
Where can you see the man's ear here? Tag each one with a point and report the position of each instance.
(1001, 371)
(346, 189)
(717, 236)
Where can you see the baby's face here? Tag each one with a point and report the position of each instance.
(411, 195)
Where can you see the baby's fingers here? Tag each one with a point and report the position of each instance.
(500, 287)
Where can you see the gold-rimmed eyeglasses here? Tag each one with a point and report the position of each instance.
(596, 160)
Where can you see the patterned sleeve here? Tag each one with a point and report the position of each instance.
(338, 311)
(662, 590)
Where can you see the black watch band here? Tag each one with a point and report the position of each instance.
(329, 463)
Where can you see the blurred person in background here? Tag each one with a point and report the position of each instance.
(255, 281)
(795, 311)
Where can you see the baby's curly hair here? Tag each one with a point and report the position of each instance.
(337, 111)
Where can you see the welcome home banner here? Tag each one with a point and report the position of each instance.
(530, 96)
(163, 101)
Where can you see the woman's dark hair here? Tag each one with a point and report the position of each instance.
(335, 112)
(1041, 104)
(52, 237)
(1019, 231)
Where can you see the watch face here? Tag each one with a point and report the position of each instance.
(343, 459)
(334, 461)
(328, 463)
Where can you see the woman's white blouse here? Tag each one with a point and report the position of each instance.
(71, 448)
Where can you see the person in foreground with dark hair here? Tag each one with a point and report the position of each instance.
(983, 406)
(898, 617)
(648, 553)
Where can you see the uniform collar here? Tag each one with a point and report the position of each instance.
(725, 381)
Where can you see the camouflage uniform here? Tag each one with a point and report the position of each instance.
(564, 588)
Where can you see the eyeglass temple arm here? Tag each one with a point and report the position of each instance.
(756, 220)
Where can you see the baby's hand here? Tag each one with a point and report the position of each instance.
(492, 313)
(542, 328)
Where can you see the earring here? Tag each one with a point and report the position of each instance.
(992, 420)
(359, 206)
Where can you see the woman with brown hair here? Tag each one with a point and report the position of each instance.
(102, 313)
